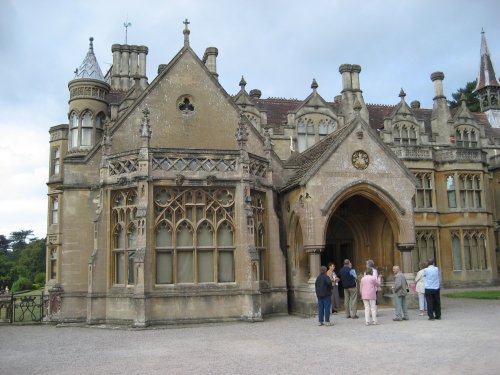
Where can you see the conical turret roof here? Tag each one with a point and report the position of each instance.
(89, 69)
(487, 75)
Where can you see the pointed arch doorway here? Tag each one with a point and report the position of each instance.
(358, 229)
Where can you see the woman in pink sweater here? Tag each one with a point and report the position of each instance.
(368, 288)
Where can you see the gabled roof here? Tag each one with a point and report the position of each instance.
(310, 161)
(487, 75)
(89, 69)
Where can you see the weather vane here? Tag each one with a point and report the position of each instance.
(127, 25)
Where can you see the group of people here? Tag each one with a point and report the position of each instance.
(327, 284)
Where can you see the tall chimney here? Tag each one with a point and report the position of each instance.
(210, 60)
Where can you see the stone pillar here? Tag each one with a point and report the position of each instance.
(314, 253)
(210, 60)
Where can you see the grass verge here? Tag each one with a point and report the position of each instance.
(475, 294)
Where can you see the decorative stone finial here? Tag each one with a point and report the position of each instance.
(402, 94)
(91, 44)
(243, 83)
(314, 84)
(186, 32)
(145, 129)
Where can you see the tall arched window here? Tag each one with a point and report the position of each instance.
(56, 160)
(86, 129)
(456, 252)
(74, 130)
(124, 236)
(194, 235)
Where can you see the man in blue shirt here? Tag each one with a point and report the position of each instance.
(432, 286)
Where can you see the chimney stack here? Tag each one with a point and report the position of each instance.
(210, 60)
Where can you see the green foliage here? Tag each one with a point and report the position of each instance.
(471, 99)
(475, 294)
(40, 278)
(22, 283)
(21, 257)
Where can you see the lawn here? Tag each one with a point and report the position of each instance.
(475, 294)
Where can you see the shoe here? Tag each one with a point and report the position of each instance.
(329, 324)
(355, 317)
(421, 314)
(375, 323)
(367, 324)
(438, 318)
(348, 317)
(406, 318)
(320, 324)
(431, 318)
(397, 319)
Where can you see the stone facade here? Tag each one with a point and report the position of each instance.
(173, 201)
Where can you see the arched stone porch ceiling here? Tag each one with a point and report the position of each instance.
(358, 232)
(381, 197)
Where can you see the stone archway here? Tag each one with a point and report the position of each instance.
(359, 230)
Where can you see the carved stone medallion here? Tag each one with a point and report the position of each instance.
(360, 159)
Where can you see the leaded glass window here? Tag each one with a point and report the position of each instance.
(424, 190)
(74, 130)
(259, 230)
(194, 235)
(124, 209)
(86, 129)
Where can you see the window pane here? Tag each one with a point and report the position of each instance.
(131, 276)
(163, 236)
(428, 198)
(164, 268)
(119, 268)
(475, 257)
(224, 236)
(53, 268)
(74, 137)
(452, 201)
(86, 136)
(226, 266)
(205, 266)
(119, 238)
(132, 238)
(87, 120)
(184, 235)
(205, 235)
(482, 245)
(185, 267)
(457, 257)
(467, 254)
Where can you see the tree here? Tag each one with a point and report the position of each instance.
(18, 242)
(471, 99)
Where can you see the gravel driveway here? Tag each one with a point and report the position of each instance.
(465, 341)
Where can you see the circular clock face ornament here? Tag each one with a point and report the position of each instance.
(360, 159)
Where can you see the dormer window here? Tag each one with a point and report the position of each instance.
(466, 137)
(405, 134)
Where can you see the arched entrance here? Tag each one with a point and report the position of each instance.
(359, 230)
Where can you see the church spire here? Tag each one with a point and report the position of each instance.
(487, 75)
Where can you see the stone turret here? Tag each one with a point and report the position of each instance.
(88, 107)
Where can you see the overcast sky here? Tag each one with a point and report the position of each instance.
(279, 46)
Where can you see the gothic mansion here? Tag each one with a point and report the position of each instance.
(173, 201)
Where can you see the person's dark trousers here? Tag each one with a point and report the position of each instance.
(324, 306)
(433, 303)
